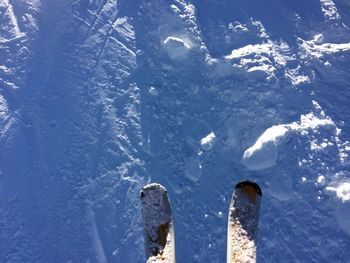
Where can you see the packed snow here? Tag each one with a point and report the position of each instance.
(99, 98)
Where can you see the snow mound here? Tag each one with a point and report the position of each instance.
(264, 153)
(176, 47)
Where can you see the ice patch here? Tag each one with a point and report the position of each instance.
(193, 170)
(176, 47)
(208, 142)
(280, 188)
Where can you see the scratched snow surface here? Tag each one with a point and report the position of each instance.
(98, 98)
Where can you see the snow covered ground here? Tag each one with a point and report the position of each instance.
(98, 98)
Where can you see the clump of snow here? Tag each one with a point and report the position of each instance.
(207, 143)
(260, 60)
(342, 190)
(329, 10)
(175, 8)
(296, 77)
(264, 153)
(316, 49)
(237, 27)
(321, 180)
(176, 47)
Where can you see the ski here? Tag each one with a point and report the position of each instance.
(158, 224)
(243, 223)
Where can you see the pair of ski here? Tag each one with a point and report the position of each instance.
(242, 226)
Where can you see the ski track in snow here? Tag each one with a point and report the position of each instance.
(98, 98)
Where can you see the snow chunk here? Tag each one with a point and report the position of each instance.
(321, 180)
(296, 77)
(176, 47)
(175, 9)
(124, 28)
(342, 191)
(329, 10)
(264, 153)
(249, 49)
(207, 143)
(261, 60)
(238, 27)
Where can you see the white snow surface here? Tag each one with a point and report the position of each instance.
(99, 98)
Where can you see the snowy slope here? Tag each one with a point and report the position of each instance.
(98, 98)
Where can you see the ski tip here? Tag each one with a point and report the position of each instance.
(151, 188)
(255, 186)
